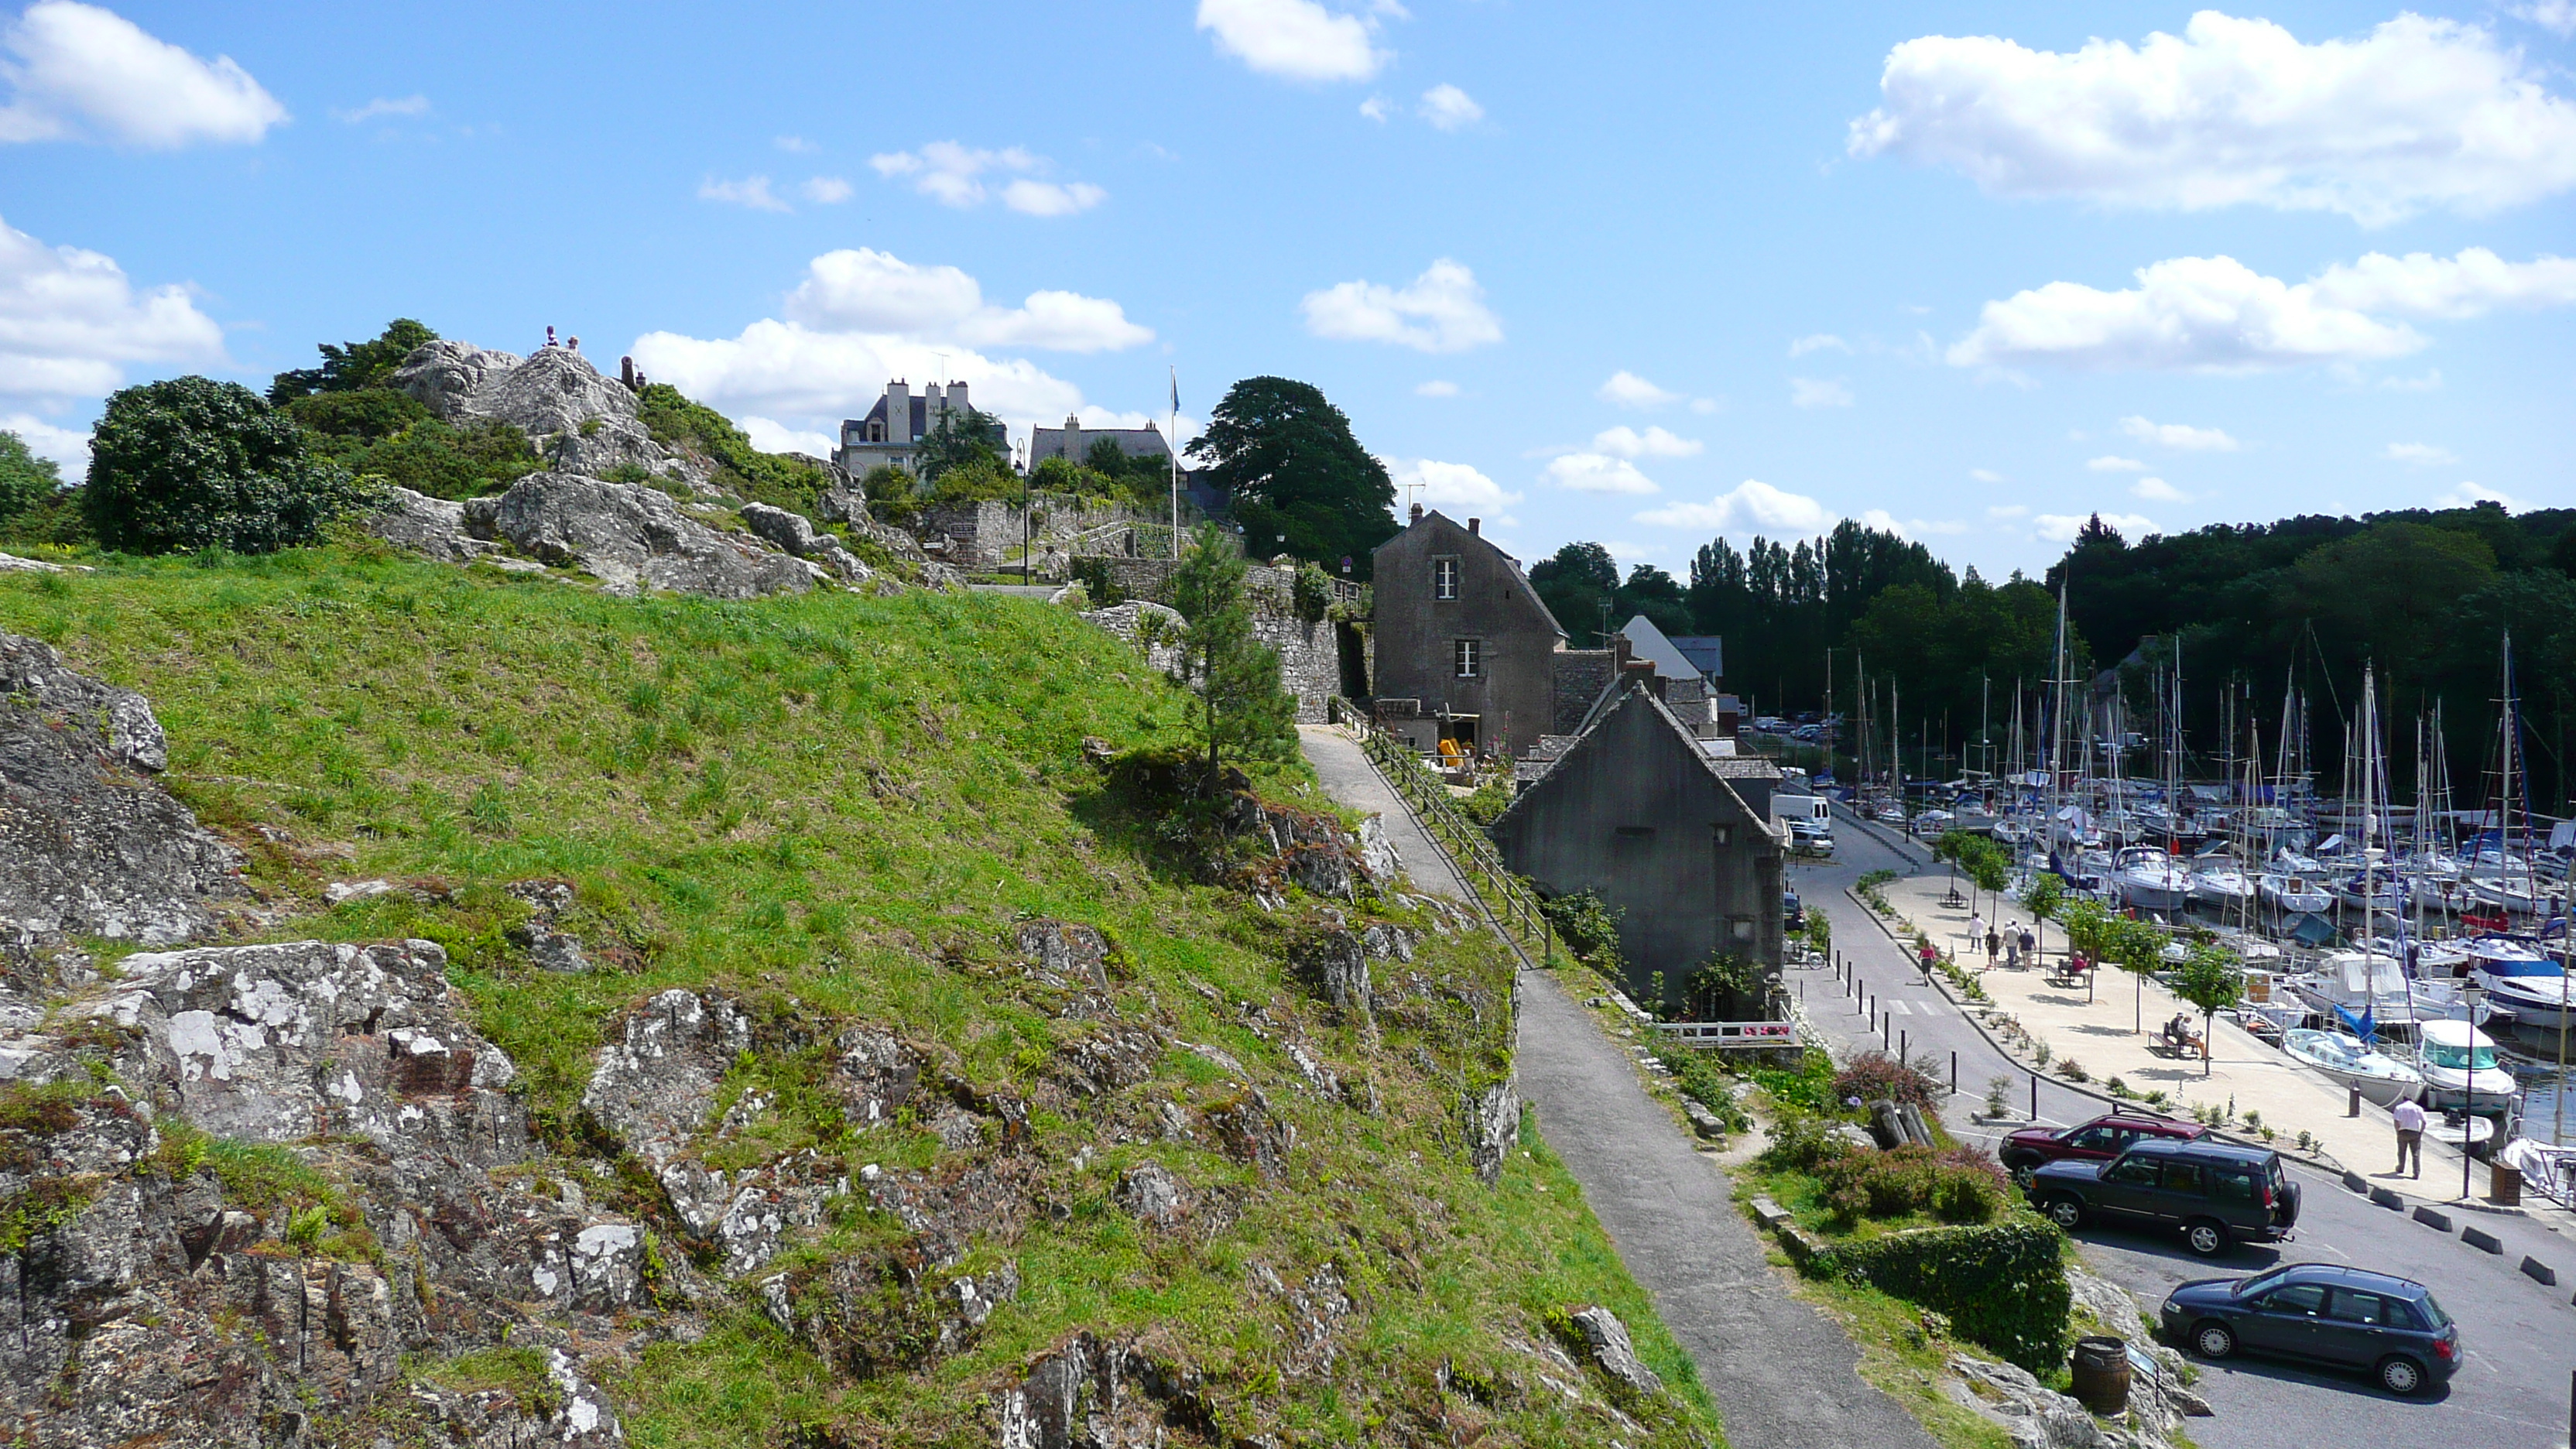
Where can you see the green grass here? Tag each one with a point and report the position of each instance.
(837, 807)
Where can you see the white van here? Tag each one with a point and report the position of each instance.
(1804, 822)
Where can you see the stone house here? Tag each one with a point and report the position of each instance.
(1686, 677)
(893, 429)
(1642, 811)
(1463, 648)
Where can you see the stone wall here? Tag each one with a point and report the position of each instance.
(983, 536)
(1580, 677)
(1310, 660)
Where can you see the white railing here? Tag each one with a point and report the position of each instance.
(1724, 1034)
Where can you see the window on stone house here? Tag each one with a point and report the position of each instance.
(1741, 928)
(1444, 578)
(1469, 657)
(1725, 835)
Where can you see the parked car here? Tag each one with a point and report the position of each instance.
(2099, 1140)
(2216, 1194)
(1793, 916)
(2324, 1313)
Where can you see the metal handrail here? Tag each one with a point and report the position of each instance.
(1469, 848)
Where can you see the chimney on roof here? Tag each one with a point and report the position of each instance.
(1476, 527)
(1417, 513)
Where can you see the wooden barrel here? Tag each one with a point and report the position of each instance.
(2101, 1370)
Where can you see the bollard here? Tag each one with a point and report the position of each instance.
(1954, 1074)
(1901, 1047)
(2034, 1097)
(2352, 1105)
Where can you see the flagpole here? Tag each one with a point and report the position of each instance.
(1175, 442)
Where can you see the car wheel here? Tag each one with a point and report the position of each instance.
(2402, 1376)
(2205, 1238)
(2022, 1162)
(2065, 1210)
(2213, 1340)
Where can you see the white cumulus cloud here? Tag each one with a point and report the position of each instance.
(2553, 15)
(2110, 463)
(1749, 505)
(1598, 473)
(776, 437)
(2215, 314)
(962, 176)
(1626, 442)
(2418, 112)
(1450, 109)
(2181, 437)
(2062, 527)
(414, 105)
(865, 290)
(751, 191)
(826, 190)
(1294, 39)
(795, 145)
(2470, 495)
(1452, 485)
(860, 317)
(2423, 454)
(79, 72)
(1436, 387)
(2157, 490)
(1626, 389)
(1985, 475)
(1818, 342)
(70, 322)
(1443, 310)
(1816, 392)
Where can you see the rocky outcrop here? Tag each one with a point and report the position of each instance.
(90, 844)
(634, 539)
(579, 421)
(1606, 1339)
(1154, 629)
(792, 532)
(1493, 1123)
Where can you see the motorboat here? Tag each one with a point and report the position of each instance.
(2462, 1132)
(2521, 897)
(2382, 895)
(2382, 1078)
(2151, 880)
(2221, 887)
(2359, 982)
(2459, 1066)
(2293, 894)
(2429, 960)
(2518, 979)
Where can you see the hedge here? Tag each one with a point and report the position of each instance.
(2002, 1285)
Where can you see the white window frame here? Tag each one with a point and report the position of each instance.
(1467, 658)
(1444, 577)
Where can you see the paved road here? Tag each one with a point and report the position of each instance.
(2511, 1393)
(1784, 1376)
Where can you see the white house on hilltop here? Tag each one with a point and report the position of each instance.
(893, 429)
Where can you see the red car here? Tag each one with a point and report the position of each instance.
(2099, 1140)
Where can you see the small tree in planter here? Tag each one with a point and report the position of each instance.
(2211, 980)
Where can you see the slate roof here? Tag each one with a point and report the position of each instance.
(1723, 769)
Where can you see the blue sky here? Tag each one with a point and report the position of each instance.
(1635, 274)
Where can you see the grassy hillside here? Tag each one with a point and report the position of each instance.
(837, 808)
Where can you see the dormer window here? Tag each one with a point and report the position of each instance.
(1444, 578)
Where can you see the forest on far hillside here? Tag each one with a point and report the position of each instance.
(2426, 597)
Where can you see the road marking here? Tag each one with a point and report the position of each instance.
(1898, 1007)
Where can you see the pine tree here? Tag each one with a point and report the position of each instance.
(1246, 710)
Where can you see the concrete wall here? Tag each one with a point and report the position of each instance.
(1415, 633)
(1632, 812)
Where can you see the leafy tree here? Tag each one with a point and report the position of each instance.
(192, 463)
(1579, 583)
(973, 439)
(976, 480)
(2210, 979)
(1657, 595)
(368, 415)
(891, 493)
(25, 479)
(1294, 472)
(2042, 895)
(353, 366)
(1238, 676)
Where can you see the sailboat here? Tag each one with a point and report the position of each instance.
(2351, 1062)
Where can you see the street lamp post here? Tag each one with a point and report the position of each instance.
(2468, 1080)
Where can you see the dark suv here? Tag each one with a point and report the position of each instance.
(2347, 1317)
(2099, 1140)
(2216, 1193)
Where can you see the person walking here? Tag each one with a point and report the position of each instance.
(2029, 947)
(1976, 928)
(2012, 948)
(1931, 954)
(1994, 946)
(2410, 1135)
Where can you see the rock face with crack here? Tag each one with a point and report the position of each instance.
(1607, 1338)
(633, 538)
(90, 844)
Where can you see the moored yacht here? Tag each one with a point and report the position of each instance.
(2151, 880)
(2459, 1066)
(2382, 1078)
(2520, 980)
(2359, 982)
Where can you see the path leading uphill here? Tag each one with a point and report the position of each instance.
(1784, 1376)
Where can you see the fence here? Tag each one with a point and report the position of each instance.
(1729, 1033)
(1516, 908)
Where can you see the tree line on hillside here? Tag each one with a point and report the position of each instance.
(2424, 596)
(1859, 608)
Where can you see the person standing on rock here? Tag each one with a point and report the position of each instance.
(2410, 1135)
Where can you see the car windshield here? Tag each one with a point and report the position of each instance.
(2478, 1059)
(2261, 1281)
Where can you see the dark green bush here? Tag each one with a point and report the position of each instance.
(1807, 1087)
(2002, 1285)
(26, 481)
(191, 463)
(1799, 1142)
(1590, 926)
(771, 478)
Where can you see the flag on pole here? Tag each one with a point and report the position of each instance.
(1176, 392)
